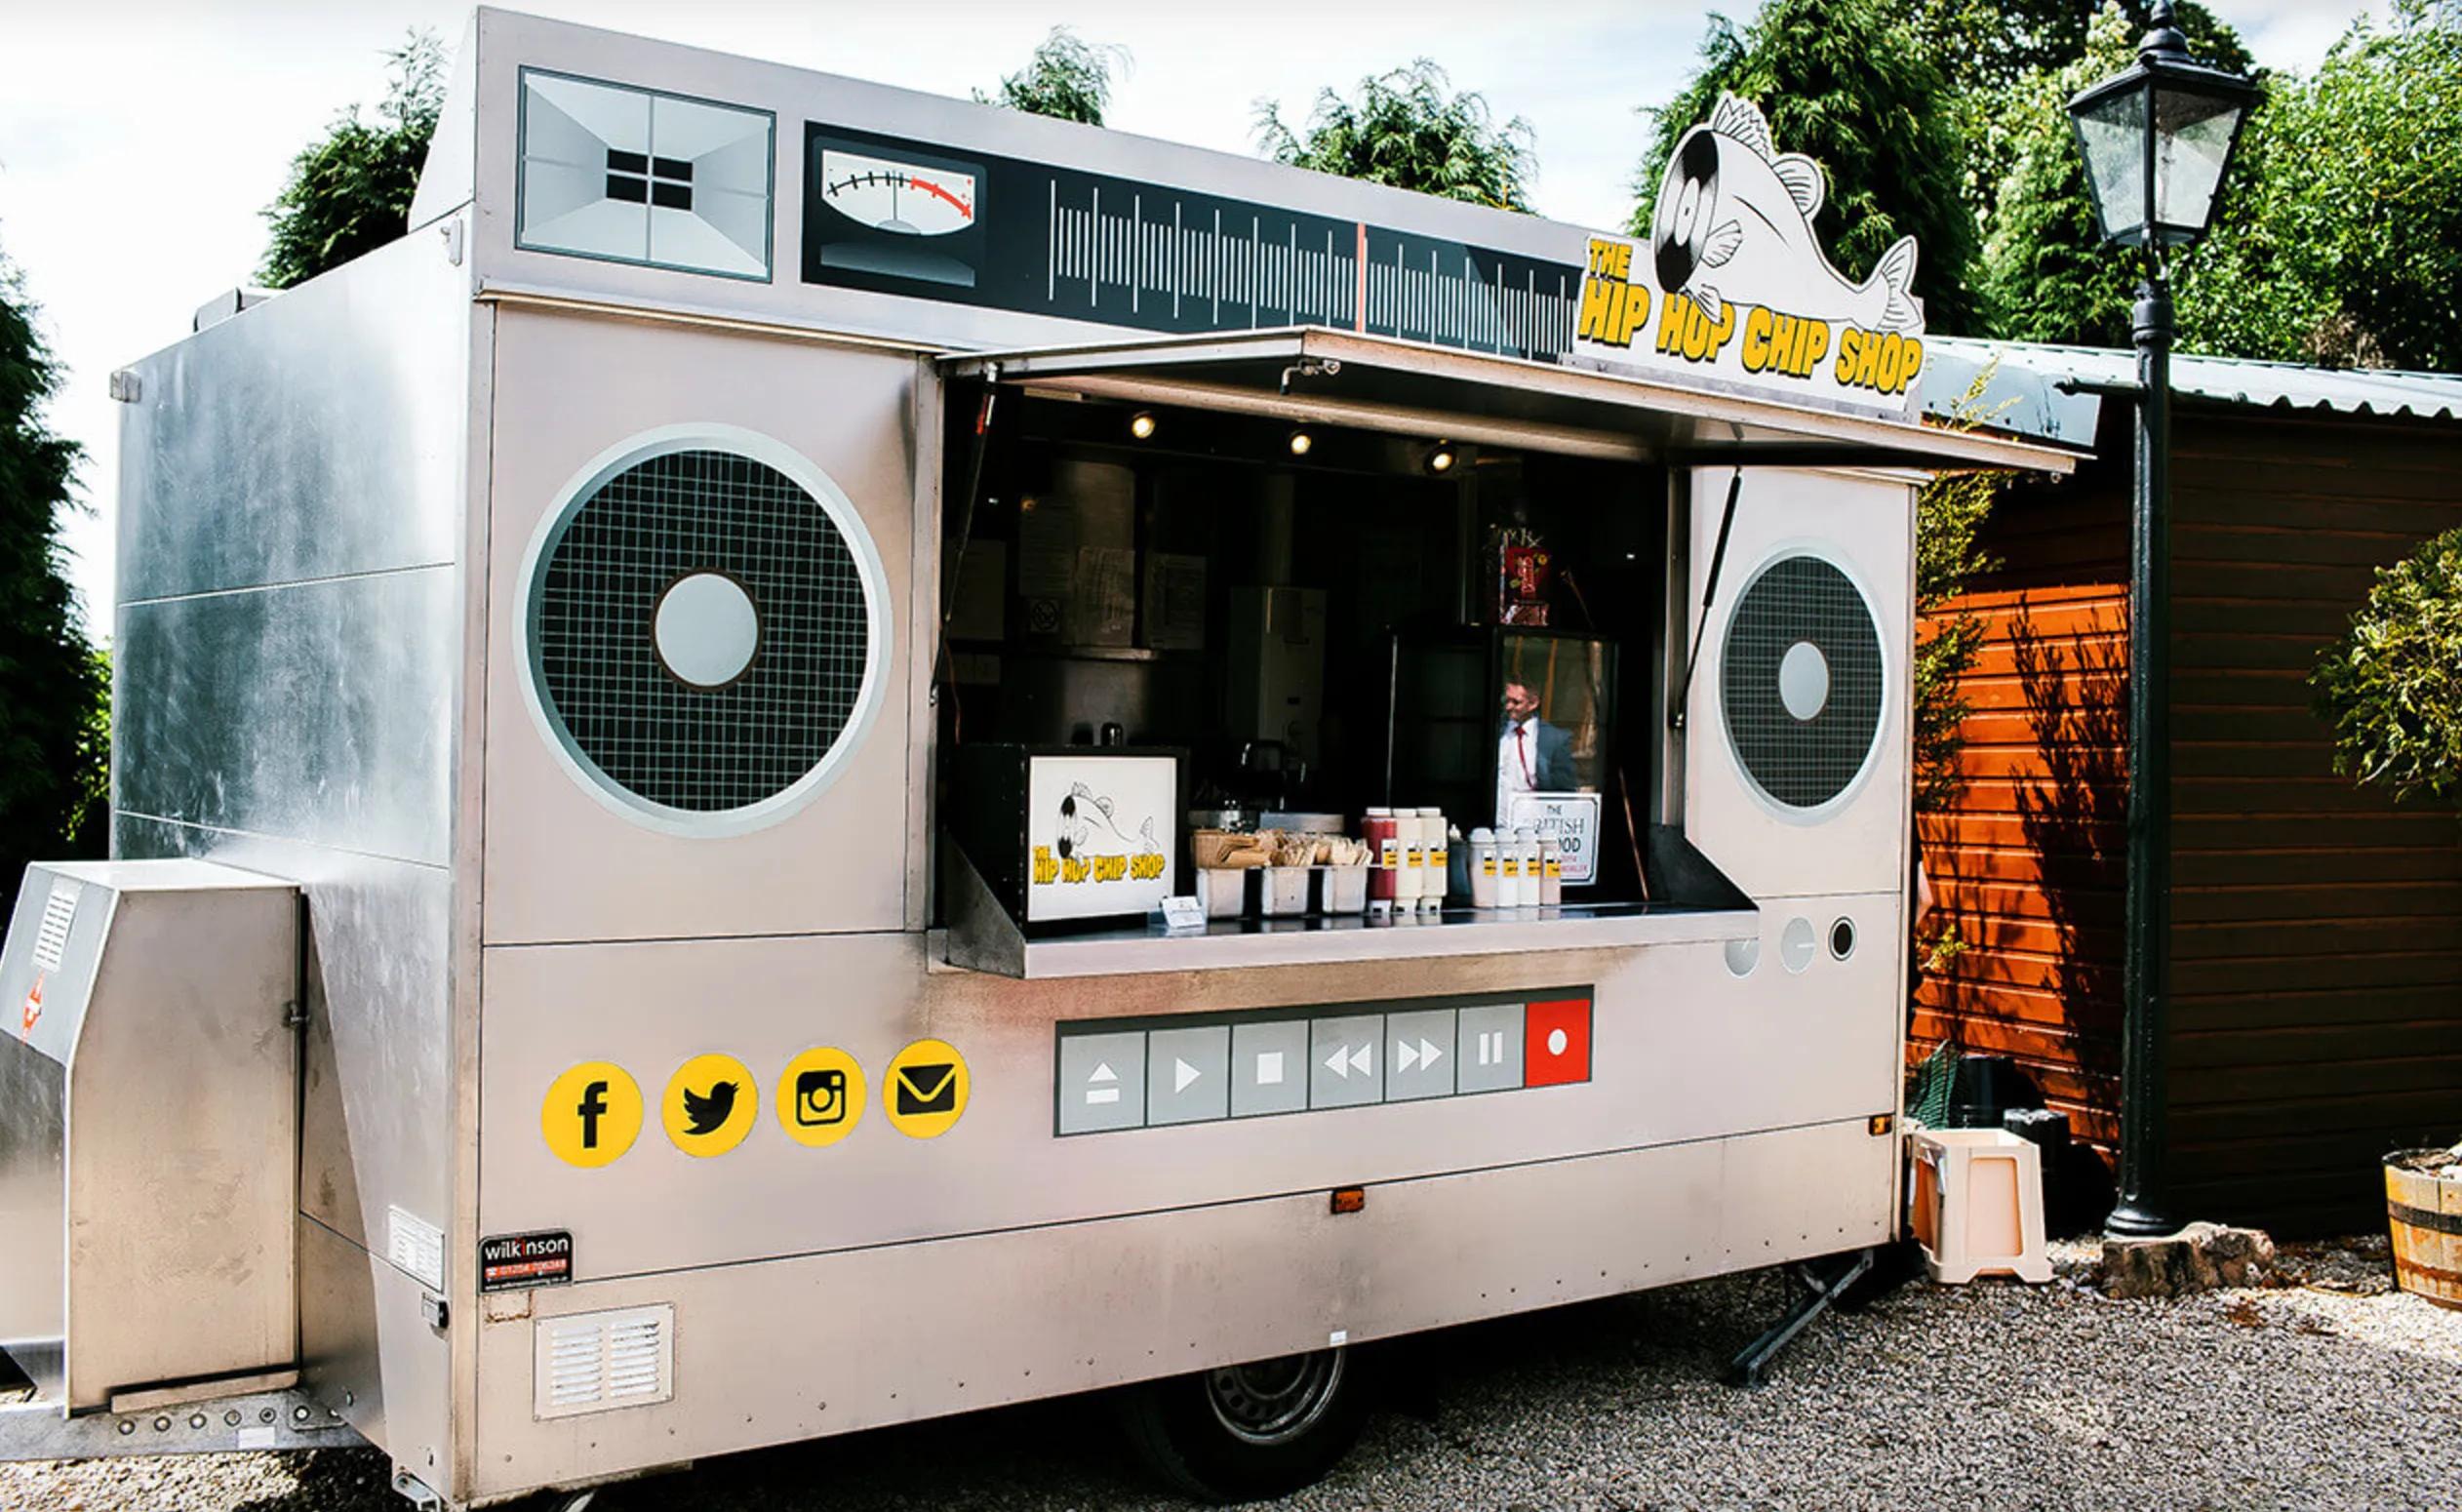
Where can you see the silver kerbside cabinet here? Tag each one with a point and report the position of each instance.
(648, 1105)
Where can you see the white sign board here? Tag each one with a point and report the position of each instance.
(1101, 837)
(1572, 819)
(1732, 289)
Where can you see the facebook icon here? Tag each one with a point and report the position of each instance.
(593, 1104)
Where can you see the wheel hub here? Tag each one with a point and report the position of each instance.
(1274, 1400)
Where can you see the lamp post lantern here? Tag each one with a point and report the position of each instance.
(2158, 137)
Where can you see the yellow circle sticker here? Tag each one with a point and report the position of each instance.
(592, 1114)
(820, 1095)
(710, 1105)
(924, 1092)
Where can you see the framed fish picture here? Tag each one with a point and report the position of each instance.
(1071, 836)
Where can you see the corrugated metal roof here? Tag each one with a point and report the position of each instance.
(2024, 395)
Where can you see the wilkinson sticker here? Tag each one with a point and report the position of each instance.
(516, 1262)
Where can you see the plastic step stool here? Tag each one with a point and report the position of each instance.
(1978, 1204)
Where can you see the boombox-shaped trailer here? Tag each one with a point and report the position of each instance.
(613, 689)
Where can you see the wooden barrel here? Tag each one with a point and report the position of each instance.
(2425, 1211)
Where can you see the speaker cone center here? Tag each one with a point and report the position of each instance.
(1804, 680)
(706, 629)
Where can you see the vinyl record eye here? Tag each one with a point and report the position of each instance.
(1688, 209)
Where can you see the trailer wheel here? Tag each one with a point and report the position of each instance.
(1252, 1430)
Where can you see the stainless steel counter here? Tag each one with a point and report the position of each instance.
(981, 937)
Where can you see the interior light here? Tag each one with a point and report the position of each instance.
(1300, 442)
(1441, 458)
(1141, 425)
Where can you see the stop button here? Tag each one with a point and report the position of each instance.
(1556, 1042)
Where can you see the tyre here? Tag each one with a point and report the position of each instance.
(1246, 1431)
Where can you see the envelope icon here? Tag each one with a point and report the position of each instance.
(930, 1087)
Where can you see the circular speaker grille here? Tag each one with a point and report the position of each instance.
(1801, 682)
(619, 665)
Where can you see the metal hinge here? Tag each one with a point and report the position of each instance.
(416, 1490)
(434, 1310)
(294, 1016)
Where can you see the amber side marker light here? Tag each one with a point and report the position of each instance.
(1879, 1124)
(1349, 1199)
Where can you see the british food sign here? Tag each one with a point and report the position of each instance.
(1731, 287)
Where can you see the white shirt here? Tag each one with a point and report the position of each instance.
(1517, 767)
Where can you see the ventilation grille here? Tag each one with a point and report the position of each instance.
(59, 911)
(639, 726)
(600, 1360)
(1807, 755)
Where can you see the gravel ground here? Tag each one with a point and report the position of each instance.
(2327, 1389)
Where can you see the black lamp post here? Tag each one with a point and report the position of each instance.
(2157, 138)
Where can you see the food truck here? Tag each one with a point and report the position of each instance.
(820, 758)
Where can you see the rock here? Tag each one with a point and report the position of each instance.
(2200, 1257)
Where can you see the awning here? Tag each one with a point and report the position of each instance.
(1314, 376)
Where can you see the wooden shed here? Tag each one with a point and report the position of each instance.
(2317, 926)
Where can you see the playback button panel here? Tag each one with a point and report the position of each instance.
(1148, 1073)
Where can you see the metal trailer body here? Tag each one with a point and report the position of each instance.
(333, 510)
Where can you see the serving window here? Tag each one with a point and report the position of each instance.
(1319, 621)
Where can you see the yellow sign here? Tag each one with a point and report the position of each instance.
(710, 1105)
(820, 1095)
(592, 1114)
(924, 1092)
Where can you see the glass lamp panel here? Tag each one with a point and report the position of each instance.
(2113, 132)
(2192, 142)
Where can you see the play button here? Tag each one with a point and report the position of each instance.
(1182, 1073)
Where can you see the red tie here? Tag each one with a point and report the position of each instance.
(1522, 752)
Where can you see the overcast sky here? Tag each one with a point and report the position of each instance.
(139, 139)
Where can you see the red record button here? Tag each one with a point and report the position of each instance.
(1556, 1042)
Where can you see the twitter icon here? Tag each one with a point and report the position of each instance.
(710, 1105)
(705, 1113)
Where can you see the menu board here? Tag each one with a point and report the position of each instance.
(1103, 839)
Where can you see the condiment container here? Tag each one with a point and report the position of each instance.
(1432, 838)
(1222, 890)
(1526, 849)
(1483, 868)
(1411, 859)
(1551, 872)
(1346, 889)
(1384, 849)
(1508, 871)
(1285, 894)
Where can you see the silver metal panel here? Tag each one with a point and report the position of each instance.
(1821, 1045)
(317, 712)
(562, 865)
(369, 1358)
(33, 1197)
(509, 42)
(255, 1421)
(315, 435)
(887, 1335)
(179, 1153)
(378, 1055)
(1865, 525)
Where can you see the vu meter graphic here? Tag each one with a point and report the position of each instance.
(903, 217)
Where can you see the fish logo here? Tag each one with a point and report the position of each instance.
(1734, 211)
(1082, 809)
(705, 1113)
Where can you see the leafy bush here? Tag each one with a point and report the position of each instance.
(1068, 78)
(2391, 687)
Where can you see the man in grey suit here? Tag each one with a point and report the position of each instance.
(1533, 756)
